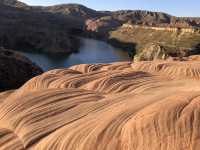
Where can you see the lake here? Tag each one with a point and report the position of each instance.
(91, 51)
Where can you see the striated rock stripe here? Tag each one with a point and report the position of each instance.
(120, 106)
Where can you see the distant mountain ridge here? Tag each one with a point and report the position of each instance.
(122, 16)
(13, 3)
(75, 10)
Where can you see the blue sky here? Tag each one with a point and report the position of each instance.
(174, 7)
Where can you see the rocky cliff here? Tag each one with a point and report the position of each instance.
(15, 69)
(136, 30)
(182, 30)
(176, 42)
(23, 29)
(147, 18)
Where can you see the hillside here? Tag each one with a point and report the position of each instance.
(107, 23)
(15, 70)
(74, 10)
(122, 16)
(14, 3)
(177, 42)
(36, 25)
(23, 29)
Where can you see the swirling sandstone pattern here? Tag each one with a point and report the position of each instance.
(119, 106)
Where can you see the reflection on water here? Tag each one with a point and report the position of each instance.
(91, 51)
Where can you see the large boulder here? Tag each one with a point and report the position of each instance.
(155, 51)
(152, 52)
(15, 69)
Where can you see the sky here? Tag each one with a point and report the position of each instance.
(173, 7)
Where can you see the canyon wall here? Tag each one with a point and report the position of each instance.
(192, 30)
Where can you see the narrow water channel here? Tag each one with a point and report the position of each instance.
(91, 51)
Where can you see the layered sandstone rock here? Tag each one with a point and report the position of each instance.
(121, 106)
(152, 52)
(193, 30)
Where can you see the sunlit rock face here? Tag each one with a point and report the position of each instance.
(151, 52)
(120, 106)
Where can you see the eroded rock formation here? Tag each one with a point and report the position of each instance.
(152, 52)
(121, 106)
